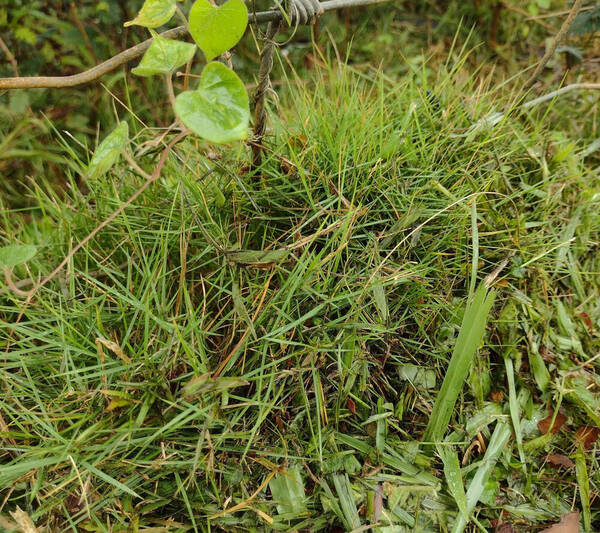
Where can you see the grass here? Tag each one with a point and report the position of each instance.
(265, 354)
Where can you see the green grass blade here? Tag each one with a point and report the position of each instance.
(344, 492)
(454, 477)
(471, 333)
(498, 441)
(110, 480)
(583, 485)
(515, 414)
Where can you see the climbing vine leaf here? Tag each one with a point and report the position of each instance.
(108, 151)
(16, 254)
(216, 29)
(218, 110)
(164, 56)
(154, 13)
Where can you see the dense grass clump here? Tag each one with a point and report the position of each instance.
(262, 352)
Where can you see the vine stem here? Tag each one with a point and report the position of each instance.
(552, 48)
(150, 179)
(36, 82)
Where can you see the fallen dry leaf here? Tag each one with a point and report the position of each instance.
(586, 436)
(25, 523)
(585, 318)
(350, 404)
(113, 347)
(506, 527)
(556, 459)
(497, 396)
(569, 523)
(544, 424)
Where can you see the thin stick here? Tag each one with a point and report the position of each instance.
(9, 55)
(81, 28)
(552, 48)
(136, 51)
(493, 119)
(149, 181)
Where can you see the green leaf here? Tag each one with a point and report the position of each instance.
(496, 446)
(240, 306)
(346, 499)
(418, 376)
(218, 110)
(583, 483)
(257, 257)
(201, 385)
(153, 13)
(216, 29)
(288, 492)
(381, 300)
(586, 22)
(453, 477)
(108, 151)
(16, 254)
(471, 334)
(164, 56)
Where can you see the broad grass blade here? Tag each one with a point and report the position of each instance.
(498, 442)
(471, 333)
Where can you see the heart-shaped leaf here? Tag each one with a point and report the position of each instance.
(216, 29)
(164, 56)
(108, 151)
(218, 110)
(153, 13)
(16, 254)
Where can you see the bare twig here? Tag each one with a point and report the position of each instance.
(9, 55)
(81, 28)
(150, 179)
(552, 48)
(136, 51)
(493, 119)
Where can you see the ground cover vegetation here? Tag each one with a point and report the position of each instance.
(390, 325)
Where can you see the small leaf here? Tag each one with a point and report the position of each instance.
(346, 501)
(205, 384)
(586, 22)
(16, 254)
(583, 487)
(218, 110)
(556, 459)
(351, 405)
(117, 403)
(586, 436)
(257, 257)
(113, 347)
(216, 29)
(108, 151)
(454, 478)
(418, 376)
(381, 300)
(164, 56)
(154, 13)
(288, 492)
(24, 521)
(240, 306)
(569, 523)
(544, 424)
